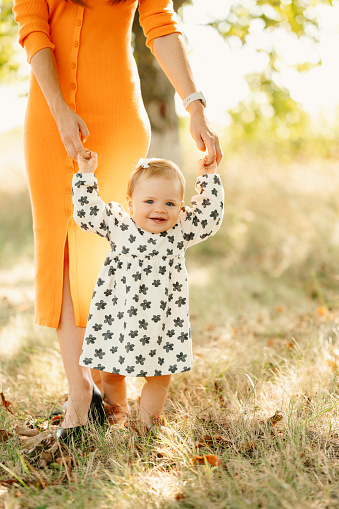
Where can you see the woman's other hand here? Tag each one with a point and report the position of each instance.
(89, 163)
(203, 134)
(73, 131)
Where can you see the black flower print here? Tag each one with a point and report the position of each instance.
(178, 322)
(90, 339)
(99, 353)
(137, 276)
(156, 283)
(87, 361)
(116, 371)
(142, 249)
(161, 360)
(97, 326)
(157, 372)
(114, 349)
(81, 213)
(101, 305)
(132, 311)
(107, 335)
(133, 333)
(170, 333)
(162, 270)
(132, 238)
(181, 301)
(163, 305)
(145, 304)
(168, 347)
(83, 200)
(99, 367)
(93, 210)
(139, 359)
(177, 287)
(121, 338)
(109, 319)
(156, 318)
(152, 353)
(143, 289)
(144, 340)
(181, 357)
(143, 324)
(148, 269)
(108, 292)
(173, 368)
(183, 337)
(120, 315)
(121, 359)
(130, 369)
(129, 347)
(142, 373)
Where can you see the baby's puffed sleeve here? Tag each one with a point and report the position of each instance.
(89, 211)
(204, 218)
(34, 30)
(157, 18)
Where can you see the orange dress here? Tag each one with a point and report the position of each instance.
(99, 80)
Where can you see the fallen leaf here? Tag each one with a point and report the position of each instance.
(45, 459)
(57, 419)
(26, 432)
(208, 458)
(5, 404)
(4, 435)
(210, 440)
(8, 481)
(275, 418)
(247, 446)
(34, 445)
(270, 342)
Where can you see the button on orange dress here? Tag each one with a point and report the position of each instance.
(99, 80)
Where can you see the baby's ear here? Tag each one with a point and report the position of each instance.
(130, 204)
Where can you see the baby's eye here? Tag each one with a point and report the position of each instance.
(149, 201)
(170, 204)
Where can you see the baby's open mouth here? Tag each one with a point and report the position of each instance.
(158, 219)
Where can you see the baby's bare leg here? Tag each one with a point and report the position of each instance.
(153, 397)
(115, 390)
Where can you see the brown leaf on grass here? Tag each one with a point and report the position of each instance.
(212, 439)
(332, 364)
(275, 418)
(208, 458)
(34, 445)
(270, 342)
(8, 481)
(5, 404)
(26, 432)
(247, 446)
(57, 419)
(5, 435)
(210, 326)
(45, 459)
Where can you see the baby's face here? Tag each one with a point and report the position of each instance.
(155, 204)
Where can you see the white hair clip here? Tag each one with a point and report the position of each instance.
(143, 163)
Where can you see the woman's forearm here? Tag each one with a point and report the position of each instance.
(170, 52)
(72, 128)
(45, 70)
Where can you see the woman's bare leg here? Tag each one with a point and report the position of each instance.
(153, 397)
(70, 340)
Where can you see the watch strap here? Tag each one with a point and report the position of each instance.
(196, 96)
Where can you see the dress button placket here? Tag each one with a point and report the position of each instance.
(72, 101)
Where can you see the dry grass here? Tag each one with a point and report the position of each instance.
(265, 325)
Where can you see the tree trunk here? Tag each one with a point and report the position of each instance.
(158, 97)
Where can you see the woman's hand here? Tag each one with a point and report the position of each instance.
(89, 163)
(73, 130)
(203, 134)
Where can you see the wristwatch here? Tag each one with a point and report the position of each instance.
(196, 96)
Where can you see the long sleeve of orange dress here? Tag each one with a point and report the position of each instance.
(99, 80)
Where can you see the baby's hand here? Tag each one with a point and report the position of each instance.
(88, 165)
(203, 168)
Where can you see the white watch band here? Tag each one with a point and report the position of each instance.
(196, 96)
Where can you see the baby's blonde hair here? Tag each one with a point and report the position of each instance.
(156, 168)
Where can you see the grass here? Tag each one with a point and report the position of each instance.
(263, 395)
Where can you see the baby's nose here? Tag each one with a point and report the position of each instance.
(159, 209)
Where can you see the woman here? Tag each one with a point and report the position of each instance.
(84, 81)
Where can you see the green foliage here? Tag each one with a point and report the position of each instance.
(270, 110)
(8, 34)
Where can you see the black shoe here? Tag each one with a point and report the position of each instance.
(95, 414)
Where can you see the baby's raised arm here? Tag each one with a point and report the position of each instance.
(204, 169)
